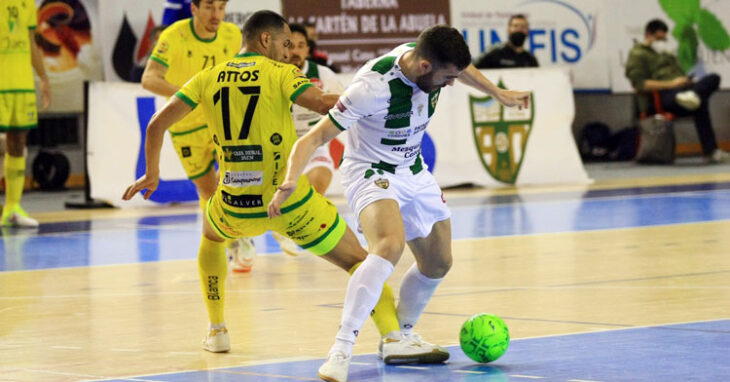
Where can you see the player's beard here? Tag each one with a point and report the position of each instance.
(297, 61)
(425, 82)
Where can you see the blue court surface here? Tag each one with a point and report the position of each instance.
(127, 241)
(697, 351)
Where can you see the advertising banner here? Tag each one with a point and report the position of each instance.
(471, 138)
(570, 33)
(68, 36)
(352, 32)
(126, 27)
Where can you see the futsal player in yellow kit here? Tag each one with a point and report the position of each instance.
(247, 102)
(183, 49)
(18, 110)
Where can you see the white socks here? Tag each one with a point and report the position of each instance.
(363, 292)
(415, 293)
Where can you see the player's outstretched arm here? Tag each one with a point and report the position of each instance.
(473, 77)
(316, 100)
(153, 79)
(173, 111)
(323, 132)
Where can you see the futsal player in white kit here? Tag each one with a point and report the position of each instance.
(386, 110)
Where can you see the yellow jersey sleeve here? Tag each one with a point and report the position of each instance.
(294, 82)
(164, 50)
(192, 92)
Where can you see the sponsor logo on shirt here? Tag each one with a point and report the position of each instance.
(246, 153)
(243, 178)
(399, 115)
(382, 183)
(240, 65)
(276, 139)
(185, 151)
(242, 201)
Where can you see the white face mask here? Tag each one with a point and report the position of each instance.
(660, 46)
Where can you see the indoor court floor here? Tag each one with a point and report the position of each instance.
(624, 280)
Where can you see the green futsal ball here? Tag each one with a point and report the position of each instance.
(484, 338)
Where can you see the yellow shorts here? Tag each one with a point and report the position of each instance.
(312, 222)
(196, 151)
(18, 110)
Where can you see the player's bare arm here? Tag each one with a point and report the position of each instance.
(173, 111)
(316, 100)
(153, 79)
(473, 77)
(37, 61)
(323, 132)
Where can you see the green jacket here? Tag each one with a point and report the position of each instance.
(644, 63)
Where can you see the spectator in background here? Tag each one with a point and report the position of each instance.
(510, 54)
(650, 68)
(315, 54)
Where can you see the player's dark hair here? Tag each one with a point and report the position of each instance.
(516, 16)
(260, 22)
(442, 45)
(654, 26)
(197, 2)
(299, 28)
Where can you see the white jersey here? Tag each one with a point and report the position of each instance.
(323, 78)
(385, 114)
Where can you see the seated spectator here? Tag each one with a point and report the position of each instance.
(650, 68)
(510, 54)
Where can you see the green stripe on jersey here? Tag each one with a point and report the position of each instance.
(384, 65)
(399, 111)
(433, 99)
(393, 142)
(312, 70)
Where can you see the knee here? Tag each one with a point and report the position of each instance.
(439, 269)
(390, 248)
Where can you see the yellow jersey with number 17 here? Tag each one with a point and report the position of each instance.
(247, 103)
(184, 54)
(17, 18)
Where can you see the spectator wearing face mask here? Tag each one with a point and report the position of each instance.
(510, 54)
(652, 68)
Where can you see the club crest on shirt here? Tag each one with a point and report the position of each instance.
(382, 183)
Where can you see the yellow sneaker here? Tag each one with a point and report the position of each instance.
(17, 218)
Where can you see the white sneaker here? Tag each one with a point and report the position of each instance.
(335, 368)
(410, 349)
(18, 218)
(718, 156)
(241, 254)
(287, 245)
(217, 341)
(689, 100)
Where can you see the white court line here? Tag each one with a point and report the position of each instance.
(63, 373)
(467, 372)
(66, 347)
(125, 350)
(362, 363)
(526, 376)
(581, 380)
(413, 367)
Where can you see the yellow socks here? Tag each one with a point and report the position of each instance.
(213, 268)
(14, 180)
(383, 314)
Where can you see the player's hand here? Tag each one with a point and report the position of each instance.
(145, 182)
(512, 98)
(45, 92)
(280, 196)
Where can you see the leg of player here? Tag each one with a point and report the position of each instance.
(213, 271)
(320, 178)
(14, 166)
(240, 252)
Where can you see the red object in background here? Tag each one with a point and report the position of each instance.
(146, 44)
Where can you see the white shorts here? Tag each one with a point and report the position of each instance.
(420, 198)
(321, 158)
